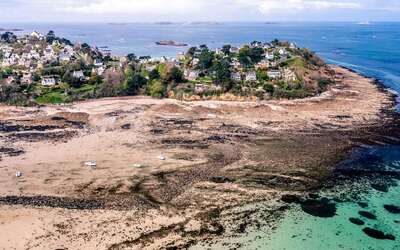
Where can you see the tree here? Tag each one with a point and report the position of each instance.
(144, 57)
(256, 54)
(156, 89)
(175, 75)
(135, 83)
(249, 56)
(131, 57)
(50, 37)
(154, 74)
(226, 49)
(8, 37)
(95, 79)
(191, 51)
(222, 73)
(244, 56)
(206, 58)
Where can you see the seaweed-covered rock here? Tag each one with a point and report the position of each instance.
(291, 198)
(321, 208)
(392, 209)
(376, 234)
(380, 187)
(357, 221)
(363, 204)
(367, 215)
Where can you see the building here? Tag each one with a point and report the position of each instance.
(234, 50)
(192, 75)
(36, 35)
(195, 62)
(26, 79)
(64, 57)
(269, 56)
(49, 80)
(98, 62)
(251, 76)
(236, 76)
(264, 64)
(78, 74)
(181, 56)
(274, 74)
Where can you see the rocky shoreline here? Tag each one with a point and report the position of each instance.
(225, 169)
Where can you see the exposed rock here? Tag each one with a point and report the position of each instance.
(290, 198)
(380, 187)
(376, 234)
(321, 208)
(221, 179)
(367, 215)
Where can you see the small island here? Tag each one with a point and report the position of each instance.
(171, 43)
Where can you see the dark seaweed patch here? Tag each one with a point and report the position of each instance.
(357, 221)
(376, 234)
(392, 209)
(367, 215)
(363, 204)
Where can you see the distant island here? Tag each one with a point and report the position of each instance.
(10, 30)
(171, 43)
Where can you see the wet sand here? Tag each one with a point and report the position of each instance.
(221, 160)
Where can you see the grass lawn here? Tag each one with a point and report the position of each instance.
(55, 97)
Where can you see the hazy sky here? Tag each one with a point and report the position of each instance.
(198, 10)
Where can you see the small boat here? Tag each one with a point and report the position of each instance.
(171, 43)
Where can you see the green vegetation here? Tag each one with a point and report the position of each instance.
(64, 73)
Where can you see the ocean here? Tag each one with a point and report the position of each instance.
(372, 50)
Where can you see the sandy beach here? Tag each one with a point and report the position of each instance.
(169, 173)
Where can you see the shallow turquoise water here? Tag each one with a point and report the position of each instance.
(299, 230)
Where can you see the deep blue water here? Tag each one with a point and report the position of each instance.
(372, 50)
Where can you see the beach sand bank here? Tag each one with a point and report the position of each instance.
(171, 173)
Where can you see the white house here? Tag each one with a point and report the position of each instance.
(64, 57)
(36, 35)
(192, 74)
(274, 74)
(236, 76)
(49, 81)
(98, 62)
(195, 61)
(251, 76)
(78, 74)
(269, 56)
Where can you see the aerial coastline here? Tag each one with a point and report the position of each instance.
(169, 171)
